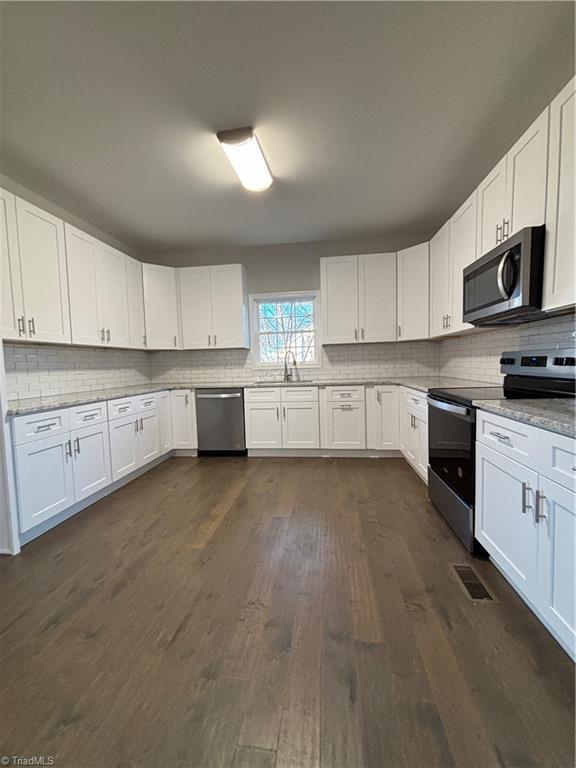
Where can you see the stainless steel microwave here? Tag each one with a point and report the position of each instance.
(505, 286)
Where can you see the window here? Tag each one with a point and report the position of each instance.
(285, 323)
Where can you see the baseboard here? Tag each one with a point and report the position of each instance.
(560, 640)
(184, 452)
(47, 525)
(320, 453)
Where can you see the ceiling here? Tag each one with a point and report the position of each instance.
(377, 118)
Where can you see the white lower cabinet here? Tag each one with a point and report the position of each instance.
(165, 415)
(300, 425)
(44, 479)
(345, 426)
(527, 523)
(148, 437)
(281, 417)
(263, 425)
(413, 415)
(184, 435)
(91, 452)
(382, 418)
(124, 446)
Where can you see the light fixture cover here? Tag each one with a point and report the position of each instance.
(246, 157)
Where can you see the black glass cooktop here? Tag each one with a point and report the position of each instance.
(466, 395)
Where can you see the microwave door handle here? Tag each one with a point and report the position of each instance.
(500, 277)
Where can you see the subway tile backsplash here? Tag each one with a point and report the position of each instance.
(43, 370)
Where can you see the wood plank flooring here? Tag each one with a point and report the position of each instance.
(272, 613)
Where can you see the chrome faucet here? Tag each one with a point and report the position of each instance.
(289, 374)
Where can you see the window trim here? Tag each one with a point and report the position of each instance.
(257, 298)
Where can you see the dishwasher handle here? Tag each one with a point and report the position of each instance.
(220, 396)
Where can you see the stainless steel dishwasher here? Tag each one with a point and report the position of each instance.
(220, 419)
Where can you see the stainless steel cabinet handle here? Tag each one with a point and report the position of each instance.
(108, 335)
(89, 416)
(399, 331)
(540, 499)
(31, 327)
(500, 436)
(499, 228)
(277, 413)
(346, 406)
(136, 425)
(141, 425)
(123, 408)
(525, 505)
(214, 339)
(505, 228)
(68, 449)
(144, 339)
(448, 321)
(362, 333)
(44, 427)
(186, 400)
(444, 322)
(345, 394)
(209, 342)
(174, 340)
(356, 334)
(77, 445)
(102, 335)
(21, 326)
(378, 395)
(284, 412)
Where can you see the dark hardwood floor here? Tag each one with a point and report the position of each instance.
(272, 613)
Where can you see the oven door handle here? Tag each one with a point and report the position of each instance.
(500, 277)
(458, 410)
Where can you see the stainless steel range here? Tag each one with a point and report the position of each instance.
(452, 428)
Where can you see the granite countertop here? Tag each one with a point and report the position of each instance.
(553, 414)
(37, 404)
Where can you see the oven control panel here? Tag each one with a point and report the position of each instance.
(552, 363)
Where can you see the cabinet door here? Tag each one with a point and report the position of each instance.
(229, 307)
(526, 168)
(82, 254)
(91, 450)
(161, 307)
(165, 413)
(440, 281)
(491, 209)
(183, 419)
(44, 277)
(149, 436)
(382, 418)
(559, 266)
(124, 454)
(135, 294)
(422, 455)
(463, 253)
(339, 299)
(300, 425)
(12, 319)
(556, 559)
(113, 296)
(377, 297)
(263, 425)
(413, 293)
(345, 426)
(411, 437)
(505, 521)
(44, 479)
(196, 307)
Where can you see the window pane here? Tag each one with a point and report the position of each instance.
(286, 326)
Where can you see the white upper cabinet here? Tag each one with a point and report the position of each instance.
(413, 293)
(196, 307)
(214, 307)
(559, 282)
(135, 294)
(463, 253)
(440, 281)
(491, 209)
(12, 318)
(339, 299)
(229, 306)
(81, 252)
(112, 296)
(161, 306)
(526, 166)
(98, 291)
(43, 271)
(377, 297)
(358, 298)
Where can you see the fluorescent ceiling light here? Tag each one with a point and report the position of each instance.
(245, 156)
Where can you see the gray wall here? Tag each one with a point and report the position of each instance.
(289, 267)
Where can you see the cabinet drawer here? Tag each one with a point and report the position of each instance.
(262, 395)
(36, 426)
(557, 458)
(512, 438)
(84, 415)
(124, 406)
(416, 400)
(299, 394)
(147, 402)
(343, 394)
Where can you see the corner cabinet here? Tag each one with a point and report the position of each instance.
(526, 516)
(214, 307)
(440, 282)
(413, 293)
(358, 296)
(161, 306)
(559, 262)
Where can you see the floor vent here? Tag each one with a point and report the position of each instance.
(474, 588)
